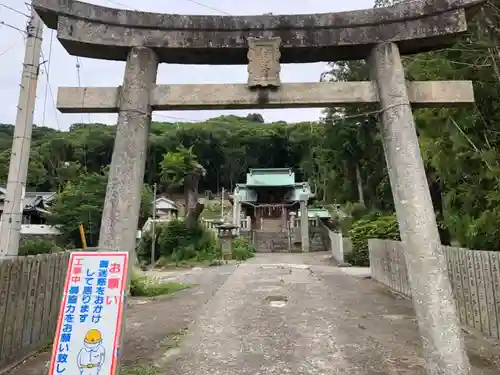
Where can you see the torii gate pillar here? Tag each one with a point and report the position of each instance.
(424, 256)
(120, 215)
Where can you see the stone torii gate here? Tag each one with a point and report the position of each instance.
(380, 36)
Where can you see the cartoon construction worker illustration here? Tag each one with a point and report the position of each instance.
(91, 357)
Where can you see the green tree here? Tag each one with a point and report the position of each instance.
(81, 202)
(181, 168)
(78, 203)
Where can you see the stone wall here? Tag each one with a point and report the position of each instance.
(347, 245)
(316, 239)
(278, 241)
(30, 298)
(474, 277)
(333, 242)
(271, 242)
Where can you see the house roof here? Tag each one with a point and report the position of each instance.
(167, 204)
(270, 177)
(32, 200)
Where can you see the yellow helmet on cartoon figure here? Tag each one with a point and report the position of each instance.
(93, 336)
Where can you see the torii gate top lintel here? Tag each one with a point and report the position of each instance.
(94, 31)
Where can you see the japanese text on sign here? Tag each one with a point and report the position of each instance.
(87, 335)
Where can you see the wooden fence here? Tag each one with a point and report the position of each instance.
(474, 277)
(30, 297)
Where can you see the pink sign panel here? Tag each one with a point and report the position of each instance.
(87, 337)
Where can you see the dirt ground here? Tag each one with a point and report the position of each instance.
(154, 326)
(221, 325)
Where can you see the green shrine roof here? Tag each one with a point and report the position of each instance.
(270, 177)
(258, 178)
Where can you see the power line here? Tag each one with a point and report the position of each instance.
(120, 4)
(208, 7)
(15, 10)
(8, 49)
(191, 1)
(78, 66)
(50, 90)
(340, 118)
(47, 85)
(24, 32)
(176, 118)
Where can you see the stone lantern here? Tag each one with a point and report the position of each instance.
(226, 235)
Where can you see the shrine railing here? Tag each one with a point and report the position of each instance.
(295, 222)
(211, 224)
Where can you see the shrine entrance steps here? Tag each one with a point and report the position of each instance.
(271, 242)
(274, 237)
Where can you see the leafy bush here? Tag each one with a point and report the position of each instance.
(242, 249)
(481, 232)
(352, 212)
(34, 246)
(357, 210)
(144, 286)
(383, 227)
(176, 242)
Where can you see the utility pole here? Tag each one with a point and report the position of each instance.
(153, 228)
(222, 204)
(12, 217)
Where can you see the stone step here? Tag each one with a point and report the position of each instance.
(271, 241)
(272, 225)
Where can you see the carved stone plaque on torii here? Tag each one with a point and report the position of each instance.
(264, 62)
(379, 35)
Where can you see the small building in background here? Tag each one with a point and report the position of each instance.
(269, 197)
(35, 212)
(322, 214)
(166, 208)
(270, 200)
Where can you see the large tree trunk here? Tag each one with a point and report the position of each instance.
(359, 183)
(436, 191)
(193, 207)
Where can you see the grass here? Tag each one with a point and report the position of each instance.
(144, 286)
(166, 262)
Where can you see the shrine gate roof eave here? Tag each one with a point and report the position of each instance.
(256, 186)
(264, 185)
(270, 170)
(316, 212)
(100, 32)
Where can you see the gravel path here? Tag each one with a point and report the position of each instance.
(278, 314)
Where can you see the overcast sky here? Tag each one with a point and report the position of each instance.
(63, 70)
